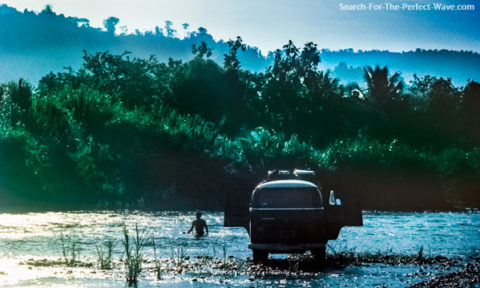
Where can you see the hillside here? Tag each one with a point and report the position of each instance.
(33, 44)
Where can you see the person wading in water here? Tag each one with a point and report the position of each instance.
(199, 224)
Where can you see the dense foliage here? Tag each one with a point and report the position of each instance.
(124, 130)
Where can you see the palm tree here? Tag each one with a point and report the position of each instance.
(381, 88)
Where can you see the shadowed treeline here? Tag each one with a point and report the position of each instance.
(180, 134)
(33, 44)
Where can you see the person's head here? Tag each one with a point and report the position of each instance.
(199, 214)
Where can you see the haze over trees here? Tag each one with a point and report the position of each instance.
(33, 44)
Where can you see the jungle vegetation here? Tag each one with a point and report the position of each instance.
(127, 131)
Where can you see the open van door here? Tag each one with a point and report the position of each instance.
(339, 213)
(236, 209)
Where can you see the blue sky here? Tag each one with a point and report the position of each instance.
(268, 24)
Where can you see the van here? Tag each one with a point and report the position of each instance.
(289, 213)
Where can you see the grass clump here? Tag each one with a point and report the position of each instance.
(70, 249)
(178, 254)
(104, 255)
(133, 254)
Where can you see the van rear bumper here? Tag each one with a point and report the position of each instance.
(285, 248)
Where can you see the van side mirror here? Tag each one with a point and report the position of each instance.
(334, 201)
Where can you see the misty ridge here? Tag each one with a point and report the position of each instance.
(34, 44)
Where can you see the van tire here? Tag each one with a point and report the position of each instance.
(259, 256)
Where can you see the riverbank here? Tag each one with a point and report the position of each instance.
(413, 270)
(468, 276)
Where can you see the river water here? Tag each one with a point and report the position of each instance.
(36, 236)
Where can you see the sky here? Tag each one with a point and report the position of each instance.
(269, 24)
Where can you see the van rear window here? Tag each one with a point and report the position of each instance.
(287, 198)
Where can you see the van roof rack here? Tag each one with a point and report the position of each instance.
(299, 172)
(279, 174)
(308, 175)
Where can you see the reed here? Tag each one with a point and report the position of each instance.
(70, 249)
(134, 256)
(156, 260)
(420, 253)
(178, 254)
(104, 255)
(224, 251)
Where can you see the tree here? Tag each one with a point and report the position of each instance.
(83, 22)
(169, 29)
(201, 50)
(230, 60)
(158, 31)
(471, 98)
(110, 24)
(443, 98)
(48, 10)
(15, 101)
(471, 110)
(185, 29)
(309, 58)
(382, 88)
(296, 94)
(21, 94)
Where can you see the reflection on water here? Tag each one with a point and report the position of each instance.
(37, 235)
(445, 234)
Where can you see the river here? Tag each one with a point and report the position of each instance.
(26, 239)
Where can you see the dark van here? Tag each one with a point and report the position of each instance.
(289, 213)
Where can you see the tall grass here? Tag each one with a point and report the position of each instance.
(134, 255)
(420, 253)
(70, 249)
(104, 254)
(156, 260)
(224, 251)
(178, 254)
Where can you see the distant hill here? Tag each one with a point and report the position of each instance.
(458, 65)
(33, 44)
